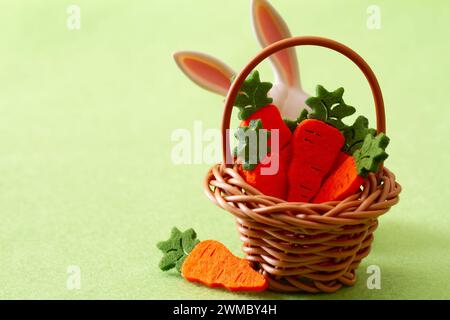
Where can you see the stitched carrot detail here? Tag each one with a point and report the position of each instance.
(315, 146)
(208, 262)
(342, 182)
(349, 172)
(212, 264)
(274, 184)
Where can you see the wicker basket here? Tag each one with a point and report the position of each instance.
(303, 246)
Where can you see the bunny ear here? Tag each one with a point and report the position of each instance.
(270, 27)
(206, 71)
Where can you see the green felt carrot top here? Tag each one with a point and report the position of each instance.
(177, 248)
(356, 133)
(371, 154)
(329, 107)
(252, 95)
(326, 106)
(249, 142)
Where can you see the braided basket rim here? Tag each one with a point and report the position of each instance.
(224, 186)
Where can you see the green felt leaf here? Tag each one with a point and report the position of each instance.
(179, 263)
(371, 154)
(252, 95)
(329, 107)
(356, 133)
(170, 259)
(248, 148)
(173, 243)
(292, 124)
(177, 248)
(189, 240)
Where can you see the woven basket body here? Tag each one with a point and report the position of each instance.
(303, 246)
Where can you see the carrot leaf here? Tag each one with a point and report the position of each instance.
(252, 95)
(329, 107)
(177, 248)
(292, 124)
(356, 133)
(248, 148)
(372, 153)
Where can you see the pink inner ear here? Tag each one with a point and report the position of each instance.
(270, 30)
(204, 72)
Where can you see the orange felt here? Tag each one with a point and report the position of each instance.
(270, 185)
(315, 147)
(212, 264)
(271, 119)
(342, 182)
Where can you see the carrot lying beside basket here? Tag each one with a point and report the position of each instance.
(208, 262)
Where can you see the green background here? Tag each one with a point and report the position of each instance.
(86, 119)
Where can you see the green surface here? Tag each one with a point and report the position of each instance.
(86, 123)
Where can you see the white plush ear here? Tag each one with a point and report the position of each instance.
(270, 27)
(205, 70)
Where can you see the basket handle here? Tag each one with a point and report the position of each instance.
(291, 42)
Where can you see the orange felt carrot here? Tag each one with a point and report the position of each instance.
(348, 173)
(208, 262)
(315, 146)
(342, 182)
(260, 118)
(271, 119)
(212, 264)
(273, 183)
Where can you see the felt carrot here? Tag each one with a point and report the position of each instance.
(316, 143)
(208, 262)
(343, 179)
(212, 264)
(258, 120)
(315, 146)
(271, 119)
(342, 182)
(253, 104)
(274, 185)
(349, 172)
